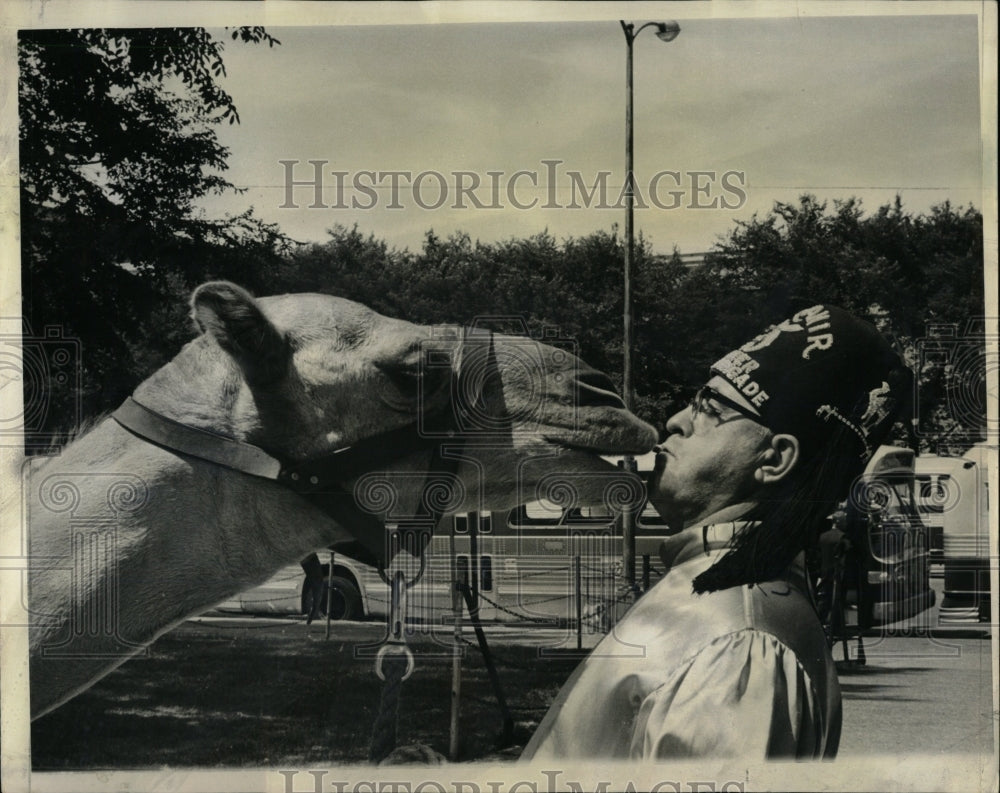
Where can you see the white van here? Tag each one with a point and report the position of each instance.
(953, 498)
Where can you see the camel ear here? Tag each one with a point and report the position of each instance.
(230, 315)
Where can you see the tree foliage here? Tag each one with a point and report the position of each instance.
(121, 121)
(117, 144)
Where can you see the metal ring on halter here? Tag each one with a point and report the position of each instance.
(408, 584)
(396, 640)
(397, 649)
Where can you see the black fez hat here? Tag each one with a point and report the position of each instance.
(819, 370)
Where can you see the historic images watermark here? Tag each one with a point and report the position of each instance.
(547, 186)
(92, 509)
(43, 366)
(324, 781)
(963, 360)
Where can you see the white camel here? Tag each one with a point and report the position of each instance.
(128, 538)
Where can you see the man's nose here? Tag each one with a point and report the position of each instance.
(677, 424)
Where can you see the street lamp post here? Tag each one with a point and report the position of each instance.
(665, 31)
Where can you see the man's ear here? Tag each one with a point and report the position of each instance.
(230, 315)
(778, 459)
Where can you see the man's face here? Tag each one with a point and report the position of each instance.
(709, 460)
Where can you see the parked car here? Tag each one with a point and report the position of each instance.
(281, 594)
(875, 559)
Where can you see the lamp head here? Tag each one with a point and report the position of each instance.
(667, 31)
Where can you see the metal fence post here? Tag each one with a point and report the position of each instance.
(579, 604)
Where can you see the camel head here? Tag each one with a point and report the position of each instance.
(303, 375)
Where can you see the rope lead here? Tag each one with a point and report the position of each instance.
(393, 664)
(383, 741)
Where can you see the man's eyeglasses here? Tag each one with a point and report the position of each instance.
(702, 401)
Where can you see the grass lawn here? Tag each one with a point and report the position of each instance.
(284, 696)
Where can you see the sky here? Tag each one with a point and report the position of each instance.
(838, 106)
(734, 114)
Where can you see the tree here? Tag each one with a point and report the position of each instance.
(347, 265)
(117, 144)
(905, 273)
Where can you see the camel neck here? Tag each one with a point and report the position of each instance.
(200, 388)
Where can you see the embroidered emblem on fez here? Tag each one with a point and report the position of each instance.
(768, 337)
(818, 370)
(879, 407)
(814, 321)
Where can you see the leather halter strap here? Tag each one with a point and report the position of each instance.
(305, 476)
(212, 447)
(321, 480)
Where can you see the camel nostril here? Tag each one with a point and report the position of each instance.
(595, 389)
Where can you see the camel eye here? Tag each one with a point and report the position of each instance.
(417, 378)
(407, 379)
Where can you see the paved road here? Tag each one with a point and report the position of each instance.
(927, 688)
(919, 695)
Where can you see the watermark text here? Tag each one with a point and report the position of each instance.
(314, 185)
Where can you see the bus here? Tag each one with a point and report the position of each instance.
(540, 563)
(537, 563)
(953, 498)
